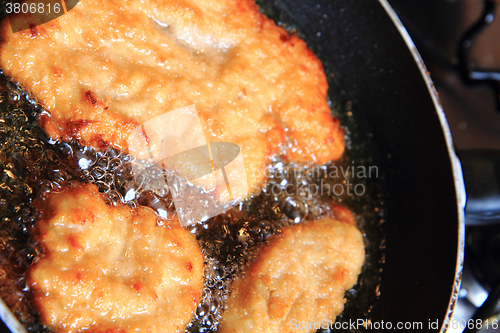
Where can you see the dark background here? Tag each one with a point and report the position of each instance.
(436, 27)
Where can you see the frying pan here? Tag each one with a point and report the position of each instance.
(368, 54)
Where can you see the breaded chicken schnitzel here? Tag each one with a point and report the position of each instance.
(111, 268)
(106, 67)
(300, 276)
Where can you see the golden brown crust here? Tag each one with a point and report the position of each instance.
(341, 213)
(113, 269)
(105, 67)
(300, 276)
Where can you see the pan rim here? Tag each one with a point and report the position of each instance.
(455, 162)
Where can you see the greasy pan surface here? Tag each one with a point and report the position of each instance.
(364, 54)
(360, 45)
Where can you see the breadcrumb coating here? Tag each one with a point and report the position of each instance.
(113, 268)
(300, 276)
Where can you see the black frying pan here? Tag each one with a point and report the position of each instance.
(366, 56)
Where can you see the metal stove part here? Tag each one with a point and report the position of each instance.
(437, 27)
(478, 76)
(481, 170)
